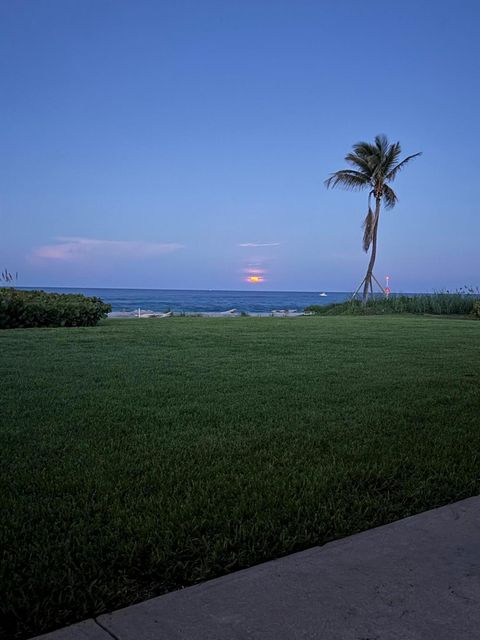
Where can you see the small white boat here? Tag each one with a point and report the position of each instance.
(323, 294)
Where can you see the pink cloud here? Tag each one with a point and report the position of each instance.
(72, 249)
(259, 244)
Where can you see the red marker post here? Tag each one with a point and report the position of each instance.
(387, 288)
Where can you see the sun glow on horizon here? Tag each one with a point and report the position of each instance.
(255, 279)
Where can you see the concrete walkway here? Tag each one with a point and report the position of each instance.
(415, 579)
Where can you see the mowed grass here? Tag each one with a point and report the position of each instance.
(144, 455)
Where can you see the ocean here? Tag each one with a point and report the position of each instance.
(185, 301)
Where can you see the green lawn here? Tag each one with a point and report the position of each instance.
(143, 455)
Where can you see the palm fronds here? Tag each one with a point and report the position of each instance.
(375, 165)
(365, 149)
(363, 164)
(348, 179)
(389, 197)
(398, 167)
(368, 226)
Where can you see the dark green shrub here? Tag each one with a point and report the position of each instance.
(41, 309)
(476, 309)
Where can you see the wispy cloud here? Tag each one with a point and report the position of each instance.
(259, 244)
(72, 249)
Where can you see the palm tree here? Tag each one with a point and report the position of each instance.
(375, 165)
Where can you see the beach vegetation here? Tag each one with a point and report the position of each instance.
(8, 277)
(462, 302)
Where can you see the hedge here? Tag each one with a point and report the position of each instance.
(42, 309)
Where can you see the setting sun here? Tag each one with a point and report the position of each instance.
(255, 279)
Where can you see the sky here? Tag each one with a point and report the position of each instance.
(184, 144)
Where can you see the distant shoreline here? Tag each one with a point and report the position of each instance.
(275, 313)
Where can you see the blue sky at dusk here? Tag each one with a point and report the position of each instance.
(185, 144)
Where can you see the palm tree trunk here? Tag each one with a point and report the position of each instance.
(368, 278)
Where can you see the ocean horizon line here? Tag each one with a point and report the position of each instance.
(248, 290)
(243, 291)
